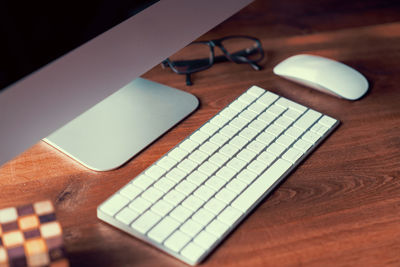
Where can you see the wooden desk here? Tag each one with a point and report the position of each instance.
(341, 207)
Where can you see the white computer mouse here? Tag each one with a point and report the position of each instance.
(324, 74)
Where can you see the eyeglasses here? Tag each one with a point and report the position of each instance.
(201, 55)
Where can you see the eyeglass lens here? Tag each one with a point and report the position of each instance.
(192, 58)
(239, 48)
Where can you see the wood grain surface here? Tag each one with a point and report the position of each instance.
(341, 207)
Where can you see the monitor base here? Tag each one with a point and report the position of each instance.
(116, 129)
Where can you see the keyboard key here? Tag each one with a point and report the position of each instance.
(176, 175)
(307, 119)
(197, 177)
(239, 142)
(255, 91)
(164, 184)
(236, 186)
(209, 147)
(208, 168)
(283, 121)
(217, 228)
(215, 182)
(214, 205)
(246, 176)
(152, 194)
(209, 128)
(167, 162)
(292, 114)
(189, 145)
(238, 105)
(276, 109)
(236, 164)
(203, 216)
(204, 192)
(193, 203)
(311, 137)
(219, 139)
(285, 140)
(267, 117)
(191, 227)
(114, 204)
(145, 222)
(229, 150)
(327, 121)
(256, 146)
(187, 165)
(294, 132)
(248, 133)
(247, 98)
(219, 120)
(275, 129)
(185, 187)
(303, 145)
(229, 113)
(248, 115)
(192, 252)
(130, 191)
(163, 229)
(142, 181)
(181, 213)
(246, 155)
(292, 155)
(225, 195)
(174, 197)
(126, 216)
(155, 172)
(226, 173)
(177, 241)
(257, 166)
(229, 131)
(140, 204)
(239, 122)
(219, 159)
(162, 207)
(319, 129)
(198, 156)
(229, 215)
(267, 99)
(276, 149)
(265, 138)
(256, 107)
(199, 137)
(205, 240)
(258, 125)
(178, 153)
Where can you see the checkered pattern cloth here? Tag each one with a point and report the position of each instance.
(30, 235)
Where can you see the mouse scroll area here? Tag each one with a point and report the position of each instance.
(323, 74)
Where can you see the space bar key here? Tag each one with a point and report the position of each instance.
(261, 185)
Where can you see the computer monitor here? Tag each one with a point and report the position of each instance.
(81, 60)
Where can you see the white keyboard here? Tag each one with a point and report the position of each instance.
(198, 192)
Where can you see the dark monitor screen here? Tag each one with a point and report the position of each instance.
(34, 33)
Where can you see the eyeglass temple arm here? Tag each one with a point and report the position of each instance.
(188, 79)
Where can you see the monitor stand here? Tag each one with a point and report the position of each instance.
(113, 131)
